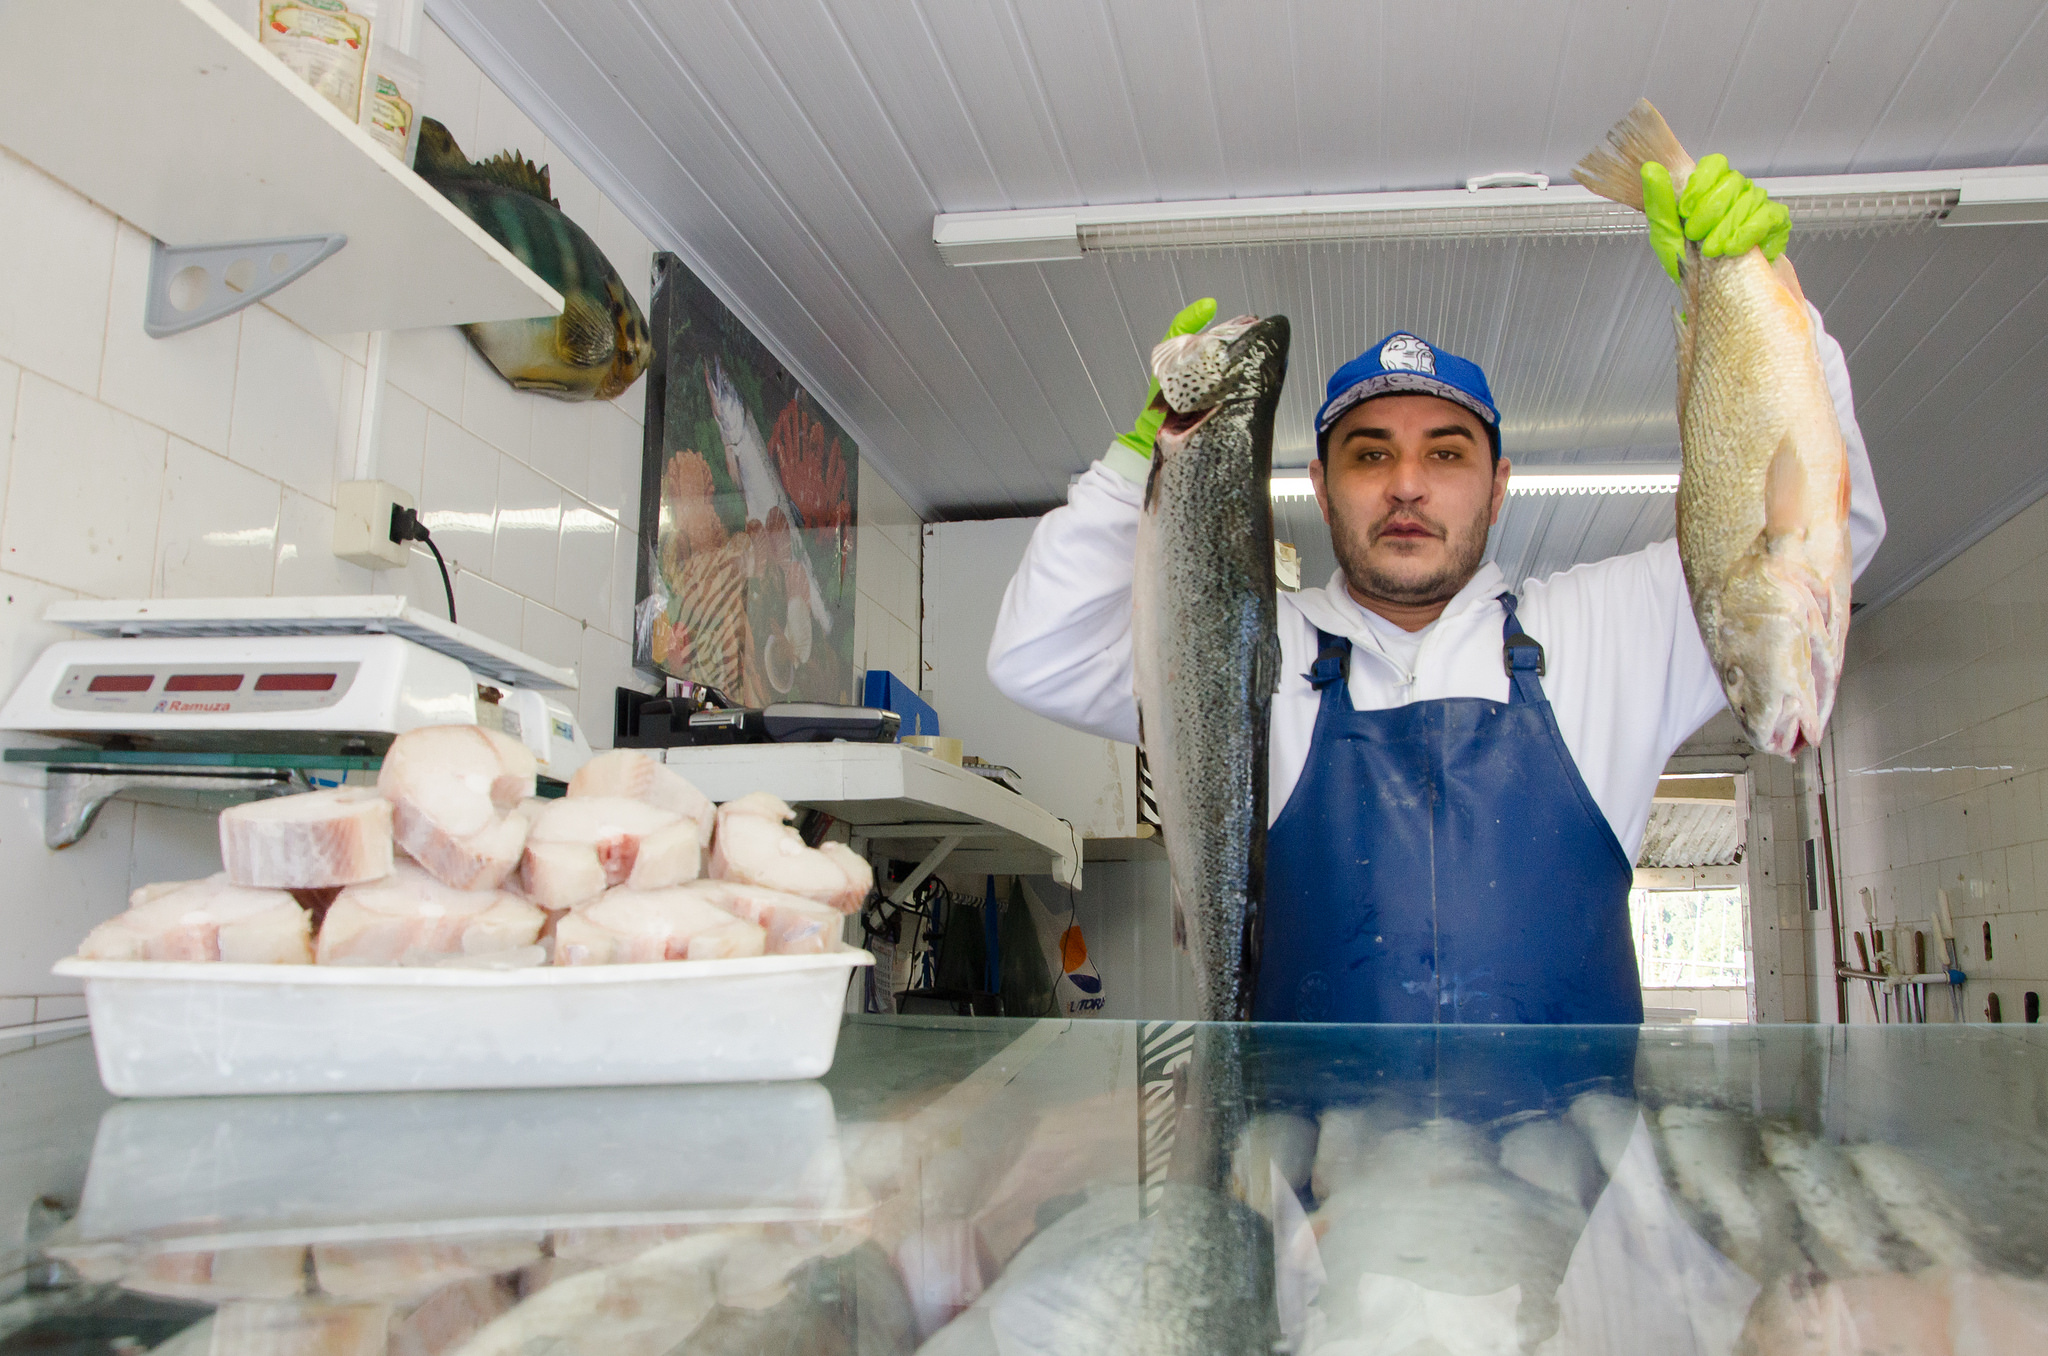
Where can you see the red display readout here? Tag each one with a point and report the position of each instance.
(121, 682)
(202, 682)
(295, 682)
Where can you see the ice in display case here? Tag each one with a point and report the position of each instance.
(983, 1186)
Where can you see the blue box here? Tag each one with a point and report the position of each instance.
(885, 690)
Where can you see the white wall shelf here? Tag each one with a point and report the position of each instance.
(168, 114)
(886, 793)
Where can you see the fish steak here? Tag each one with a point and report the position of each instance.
(1763, 493)
(1206, 652)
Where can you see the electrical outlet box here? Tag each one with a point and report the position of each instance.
(362, 524)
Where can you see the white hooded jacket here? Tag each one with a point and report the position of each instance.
(1626, 671)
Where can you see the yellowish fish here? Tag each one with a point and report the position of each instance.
(1763, 492)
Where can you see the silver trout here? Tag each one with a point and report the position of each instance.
(1205, 648)
(1763, 492)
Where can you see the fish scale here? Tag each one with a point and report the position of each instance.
(1205, 644)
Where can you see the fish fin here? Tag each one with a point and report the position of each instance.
(508, 169)
(1789, 279)
(1152, 477)
(1266, 667)
(1683, 327)
(634, 347)
(585, 334)
(1616, 170)
(1784, 491)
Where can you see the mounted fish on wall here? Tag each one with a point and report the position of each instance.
(747, 547)
(599, 345)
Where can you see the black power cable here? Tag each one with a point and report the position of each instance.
(406, 526)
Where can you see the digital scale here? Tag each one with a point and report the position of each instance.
(284, 676)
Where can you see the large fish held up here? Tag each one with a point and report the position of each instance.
(1205, 648)
(1763, 495)
(599, 345)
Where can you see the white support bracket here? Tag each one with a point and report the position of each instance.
(194, 285)
(932, 860)
(73, 796)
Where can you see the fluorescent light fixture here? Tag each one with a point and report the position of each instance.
(1622, 479)
(1825, 204)
(1609, 478)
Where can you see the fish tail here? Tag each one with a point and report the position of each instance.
(1642, 137)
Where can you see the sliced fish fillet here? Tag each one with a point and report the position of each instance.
(645, 1307)
(303, 1327)
(308, 842)
(410, 918)
(627, 927)
(451, 1316)
(583, 845)
(794, 925)
(455, 792)
(205, 920)
(406, 1272)
(756, 846)
(1555, 1156)
(631, 773)
(229, 1273)
(1936, 1312)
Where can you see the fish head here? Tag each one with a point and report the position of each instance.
(726, 406)
(1773, 651)
(1241, 359)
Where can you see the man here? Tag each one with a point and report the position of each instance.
(1460, 776)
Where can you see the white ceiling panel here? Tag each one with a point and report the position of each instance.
(795, 153)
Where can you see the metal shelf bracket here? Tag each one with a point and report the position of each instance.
(73, 796)
(193, 285)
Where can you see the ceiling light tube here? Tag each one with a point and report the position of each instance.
(1639, 477)
(1823, 204)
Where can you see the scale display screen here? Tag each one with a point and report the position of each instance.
(199, 690)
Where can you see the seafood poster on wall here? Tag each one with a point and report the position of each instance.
(746, 512)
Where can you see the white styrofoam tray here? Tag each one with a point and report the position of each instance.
(175, 1029)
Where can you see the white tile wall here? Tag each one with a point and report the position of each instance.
(888, 582)
(1940, 741)
(1781, 929)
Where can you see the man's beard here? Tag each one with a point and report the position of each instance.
(1465, 551)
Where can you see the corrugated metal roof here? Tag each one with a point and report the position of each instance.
(1704, 834)
(795, 155)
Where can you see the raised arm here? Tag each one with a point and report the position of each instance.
(1062, 645)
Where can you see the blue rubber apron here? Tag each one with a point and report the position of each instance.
(1443, 862)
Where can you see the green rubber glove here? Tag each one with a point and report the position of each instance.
(1193, 319)
(1720, 210)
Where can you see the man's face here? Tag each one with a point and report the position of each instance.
(1409, 492)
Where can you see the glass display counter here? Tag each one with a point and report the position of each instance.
(991, 1187)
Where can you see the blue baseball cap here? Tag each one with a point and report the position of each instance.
(1402, 364)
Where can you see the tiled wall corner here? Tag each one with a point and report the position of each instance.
(888, 582)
